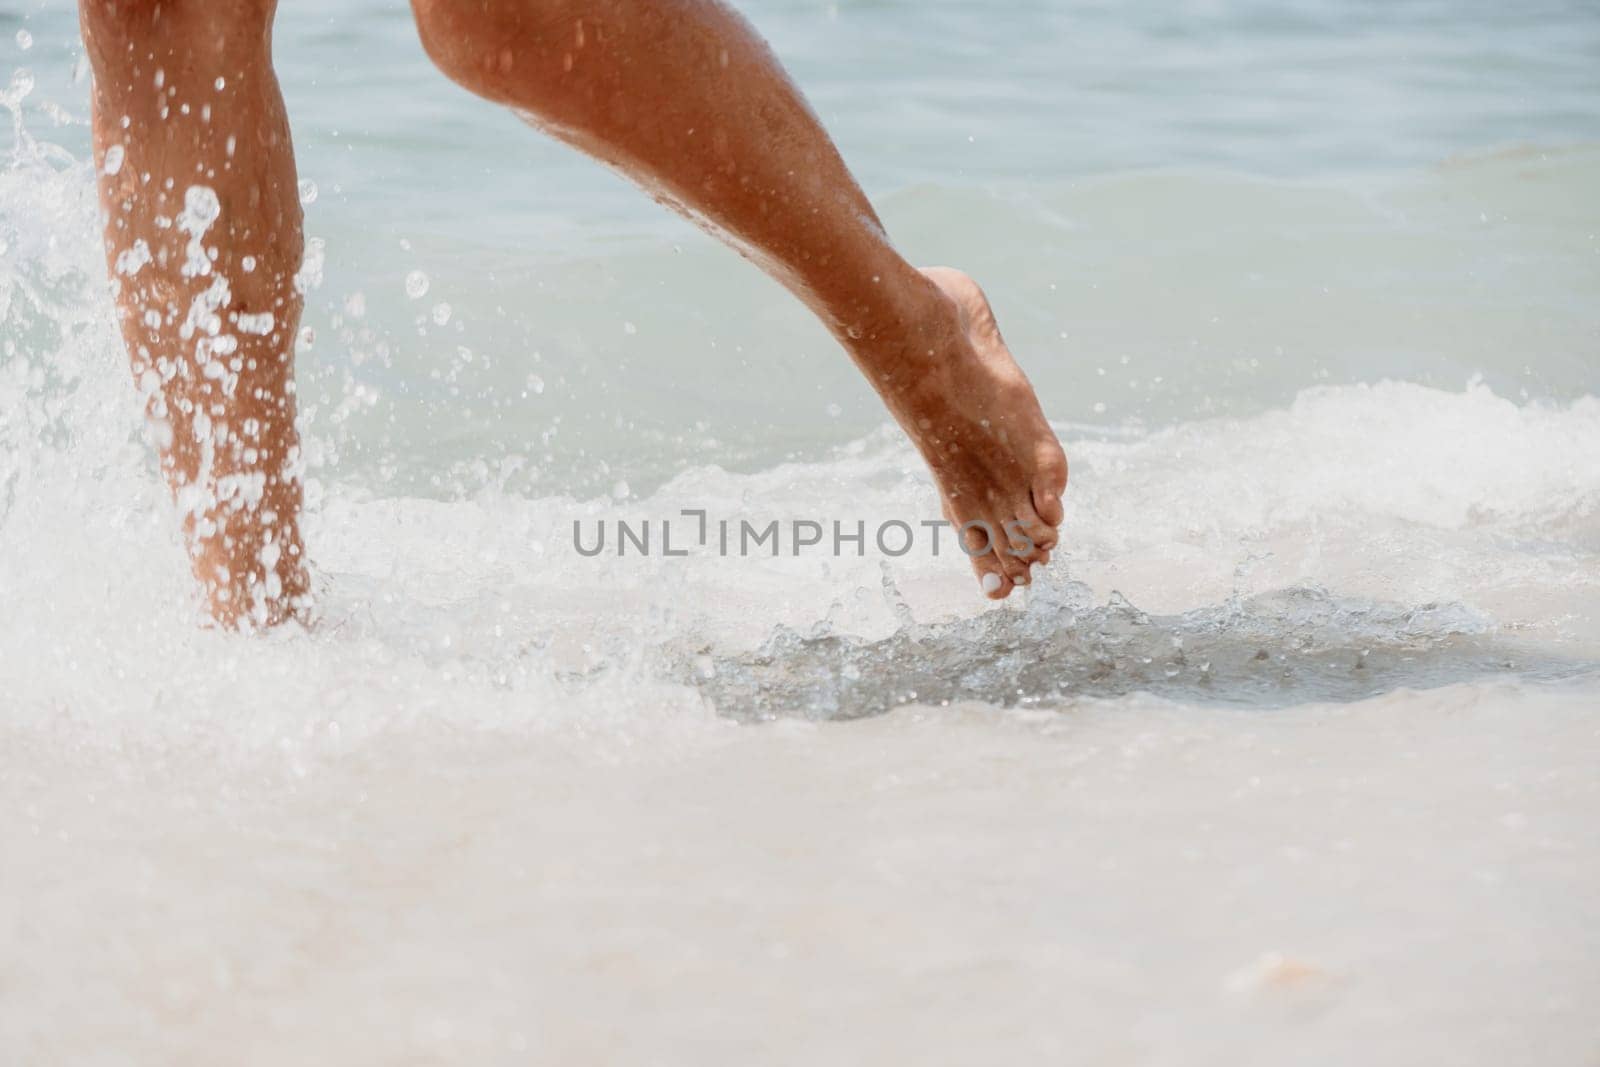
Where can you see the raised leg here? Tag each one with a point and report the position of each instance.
(685, 98)
(203, 238)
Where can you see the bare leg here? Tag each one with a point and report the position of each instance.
(203, 237)
(685, 98)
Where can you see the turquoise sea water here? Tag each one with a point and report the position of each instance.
(1086, 160)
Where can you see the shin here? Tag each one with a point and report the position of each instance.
(203, 237)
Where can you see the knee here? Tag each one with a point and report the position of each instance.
(128, 36)
(474, 42)
(446, 28)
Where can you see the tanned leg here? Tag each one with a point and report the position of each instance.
(685, 98)
(203, 238)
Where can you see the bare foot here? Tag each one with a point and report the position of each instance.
(974, 416)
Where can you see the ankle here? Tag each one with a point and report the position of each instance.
(908, 329)
(255, 589)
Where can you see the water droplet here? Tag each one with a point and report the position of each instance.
(259, 325)
(629, 328)
(308, 191)
(416, 285)
(835, 410)
(535, 384)
(201, 208)
(221, 84)
(21, 84)
(308, 337)
(24, 40)
(441, 314)
(133, 259)
(309, 275)
(114, 157)
(620, 491)
(355, 305)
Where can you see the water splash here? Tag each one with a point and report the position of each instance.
(1286, 647)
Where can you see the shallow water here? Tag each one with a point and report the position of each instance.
(1292, 758)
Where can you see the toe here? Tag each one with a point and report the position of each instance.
(993, 580)
(1038, 536)
(1015, 567)
(995, 585)
(1014, 555)
(1049, 482)
(1023, 545)
(988, 557)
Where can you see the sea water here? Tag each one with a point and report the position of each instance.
(1293, 756)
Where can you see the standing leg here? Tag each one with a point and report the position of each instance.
(203, 238)
(685, 98)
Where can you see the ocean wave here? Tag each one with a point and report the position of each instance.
(450, 584)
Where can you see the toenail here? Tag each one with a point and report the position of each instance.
(991, 583)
